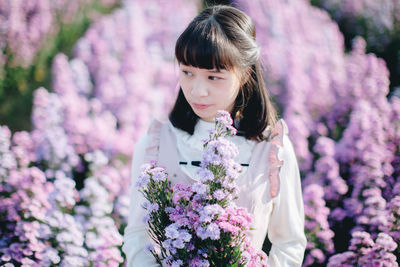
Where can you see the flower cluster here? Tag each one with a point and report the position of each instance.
(363, 251)
(199, 224)
(394, 220)
(316, 225)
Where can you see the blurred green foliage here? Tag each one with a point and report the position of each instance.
(17, 84)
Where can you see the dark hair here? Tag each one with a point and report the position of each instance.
(223, 37)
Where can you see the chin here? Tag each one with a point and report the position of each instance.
(206, 116)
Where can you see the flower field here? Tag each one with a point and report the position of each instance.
(64, 184)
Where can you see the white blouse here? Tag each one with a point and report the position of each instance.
(287, 238)
(190, 147)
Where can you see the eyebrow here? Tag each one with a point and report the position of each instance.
(212, 70)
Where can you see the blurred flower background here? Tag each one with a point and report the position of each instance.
(80, 81)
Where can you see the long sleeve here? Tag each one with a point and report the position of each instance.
(286, 225)
(135, 235)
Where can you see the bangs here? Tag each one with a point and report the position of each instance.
(205, 46)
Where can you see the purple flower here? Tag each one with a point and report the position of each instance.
(219, 194)
(198, 262)
(184, 235)
(224, 122)
(146, 218)
(361, 239)
(176, 263)
(181, 191)
(199, 188)
(202, 232)
(325, 146)
(167, 244)
(171, 231)
(158, 174)
(347, 258)
(152, 207)
(318, 255)
(226, 148)
(223, 117)
(179, 217)
(169, 209)
(205, 175)
(386, 242)
(209, 156)
(213, 231)
(178, 243)
(143, 180)
(208, 213)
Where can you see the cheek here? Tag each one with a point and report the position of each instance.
(230, 95)
(184, 83)
(185, 90)
(229, 92)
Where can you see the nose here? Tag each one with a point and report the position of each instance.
(199, 88)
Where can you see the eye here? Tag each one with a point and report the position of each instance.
(187, 73)
(214, 78)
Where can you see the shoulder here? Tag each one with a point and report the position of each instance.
(280, 142)
(153, 130)
(280, 137)
(277, 132)
(147, 145)
(155, 126)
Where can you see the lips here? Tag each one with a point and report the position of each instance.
(200, 106)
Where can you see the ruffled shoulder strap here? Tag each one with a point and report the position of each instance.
(275, 137)
(153, 141)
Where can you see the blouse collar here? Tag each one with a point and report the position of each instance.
(202, 132)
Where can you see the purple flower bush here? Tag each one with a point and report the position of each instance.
(63, 186)
(198, 224)
(319, 234)
(23, 204)
(363, 251)
(48, 220)
(344, 128)
(394, 220)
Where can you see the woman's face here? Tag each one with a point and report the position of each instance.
(208, 91)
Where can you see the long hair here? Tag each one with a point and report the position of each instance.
(223, 37)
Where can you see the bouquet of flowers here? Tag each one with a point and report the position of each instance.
(199, 224)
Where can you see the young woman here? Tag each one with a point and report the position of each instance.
(219, 64)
